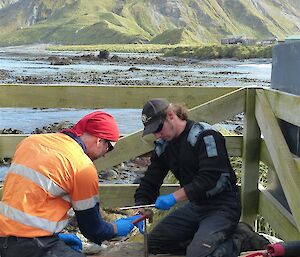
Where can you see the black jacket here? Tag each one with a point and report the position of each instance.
(198, 159)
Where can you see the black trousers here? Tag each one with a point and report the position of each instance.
(197, 230)
(48, 246)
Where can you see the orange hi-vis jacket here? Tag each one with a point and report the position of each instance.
(49, 174)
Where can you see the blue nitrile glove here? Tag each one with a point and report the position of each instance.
(71, 240)
(165, 202)
(139, 225)
(124, 226)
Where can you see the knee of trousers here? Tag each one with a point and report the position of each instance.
(206, 245)
(155, 245)
(158, 245)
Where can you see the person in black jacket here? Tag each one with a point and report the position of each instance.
(196, 154)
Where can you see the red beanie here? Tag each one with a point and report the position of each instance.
(98, 124)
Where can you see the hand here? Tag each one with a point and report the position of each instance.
(139, 225)
(71, 240)
(165, 202)
(124, 226)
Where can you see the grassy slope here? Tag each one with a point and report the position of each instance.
(83, 22)
(88, 22)
(175, 36)
(280, 25)
(115, 21)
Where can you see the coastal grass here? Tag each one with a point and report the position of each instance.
(123, 48)
(197, 51)
(218, 51)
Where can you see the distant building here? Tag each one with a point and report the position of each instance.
(239, 40)
(269, 41)
(231, 41)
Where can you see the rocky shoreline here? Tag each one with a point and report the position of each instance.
(125, 69)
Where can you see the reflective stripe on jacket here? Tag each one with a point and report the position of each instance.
(49, 174)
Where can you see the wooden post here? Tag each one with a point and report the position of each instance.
(250, 156)
(284, 164)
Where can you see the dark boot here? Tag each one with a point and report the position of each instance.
(245, 239)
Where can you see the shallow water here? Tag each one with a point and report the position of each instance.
(227, 69)
(27, 119)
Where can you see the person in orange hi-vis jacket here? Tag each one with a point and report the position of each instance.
(49, 174)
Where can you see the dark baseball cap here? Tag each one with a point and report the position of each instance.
(153, 114)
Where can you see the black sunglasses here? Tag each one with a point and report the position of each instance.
(109, 145)
(160, 127)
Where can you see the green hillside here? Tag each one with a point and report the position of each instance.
(143, 21)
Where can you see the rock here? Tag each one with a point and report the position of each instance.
(53, 128)
(59, 61)
(103, 54)
(239, 130)
(124, 249)
(10, 131)
(5, 161)
(109, 175)
(133, 69)
(4, 74)
(114, 58)
(91, 248)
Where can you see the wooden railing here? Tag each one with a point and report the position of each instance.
(262, 138)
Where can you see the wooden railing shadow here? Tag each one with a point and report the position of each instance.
(262, 138)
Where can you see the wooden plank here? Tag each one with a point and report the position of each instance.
(250, 164)
(297, 161)
(119, 195)
(134, 145)
(63, 96)
(275, 214)
(265, 156)
(234, 145)
(127, 148)
(284, 164)
(8, 143)
(221, 108)
(281, 102)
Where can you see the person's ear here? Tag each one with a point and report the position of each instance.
(99, 140)
(170, 115)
